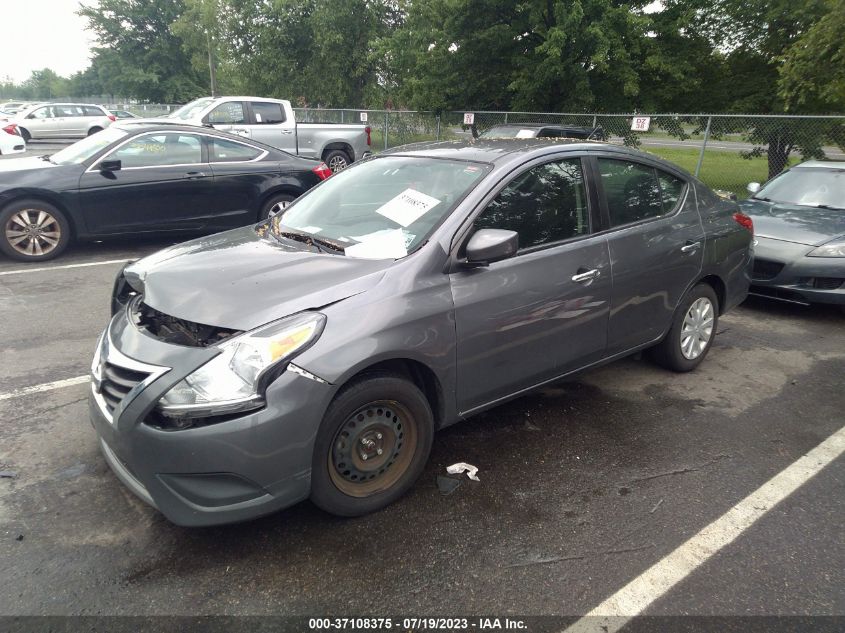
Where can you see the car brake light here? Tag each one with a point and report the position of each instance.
(368, 130)
(112, 117)
(12, 129)
(322, 170)
(744, 221)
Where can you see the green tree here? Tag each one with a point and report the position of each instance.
(139, 56)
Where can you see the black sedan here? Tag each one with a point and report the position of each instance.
(141, 178)
(799, 221)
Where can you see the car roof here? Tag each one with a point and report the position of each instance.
(501, 150)
(821, 164)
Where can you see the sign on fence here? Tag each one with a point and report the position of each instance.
(641, 123)
(469, 118)
(363, 117)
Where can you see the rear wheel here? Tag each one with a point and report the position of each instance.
(25, 134)
(372, 445)
(33, 230)
(337, 160)
(275, 205)
(94, 130)
(692, 332)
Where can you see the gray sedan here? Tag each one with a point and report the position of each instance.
(315, 354)
(799, 217)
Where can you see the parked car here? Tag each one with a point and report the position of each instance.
(272, 121)
(11, 142)
(800, 221)
(544, 130)
(61, 120)
(144, 179)
(124, 114)
(12, 107)
(316, 354)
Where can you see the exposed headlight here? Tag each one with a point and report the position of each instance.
(836, 248)
(233, 380)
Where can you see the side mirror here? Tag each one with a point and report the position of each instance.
(110, 165)
(491, 245)
(753, 187)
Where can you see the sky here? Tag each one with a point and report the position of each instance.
(40, 34)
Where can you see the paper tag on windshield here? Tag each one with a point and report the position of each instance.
(408, 207)
(525, 134)
(379, 245)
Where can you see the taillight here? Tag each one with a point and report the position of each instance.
(369, 139)
(112, 117)
(744, 221)
(322, 170)
(12, 129)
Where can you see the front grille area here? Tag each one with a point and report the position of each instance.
(827, 283)
(178, 331)
(765, 269)
(117, 382)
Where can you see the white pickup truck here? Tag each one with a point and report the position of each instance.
(272, 121)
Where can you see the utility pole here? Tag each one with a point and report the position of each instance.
(212, 71)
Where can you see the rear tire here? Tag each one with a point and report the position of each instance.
(25, 135)
(94, 130)
(275, 205)
(692, 332)
(337, 160)
(33, 231)
(372, 445)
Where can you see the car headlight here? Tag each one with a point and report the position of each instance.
(233, 380)
(836, 248)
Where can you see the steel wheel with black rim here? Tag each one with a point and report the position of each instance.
(33, 230)
(276, 205)
(337, 160)
(692, 332)
(372, 445)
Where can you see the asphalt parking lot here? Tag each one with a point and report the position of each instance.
(584, 487)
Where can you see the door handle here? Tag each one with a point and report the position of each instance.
(690, 247)
(239, 131)
(586, 276)
(193, 175)
(286, 131)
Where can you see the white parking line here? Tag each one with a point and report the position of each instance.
(635, 597)
(38, 270)
(47, 386)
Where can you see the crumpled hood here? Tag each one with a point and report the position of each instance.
(239, 280)
(792, 223)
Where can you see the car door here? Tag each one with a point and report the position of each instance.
(240, 178)
(66, 120)
(229, 116)
(543, 312)
(164, 183)
(269, 125)
(40, 123)
(656, 244)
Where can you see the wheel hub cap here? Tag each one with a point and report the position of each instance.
(33, 232)
(697, 328)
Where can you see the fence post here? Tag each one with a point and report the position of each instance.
(594, 121)
(341, 116)
(385, 130)
(506, 117)
(438, 127)
(703, 146)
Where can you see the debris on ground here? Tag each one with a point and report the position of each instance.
(8, 474)
(447, 485)
(19, 537)
(655, 507)
(463, 467)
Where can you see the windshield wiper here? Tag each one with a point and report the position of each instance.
(47, 158)
(764, 199)
(824, 206)
(311, 240)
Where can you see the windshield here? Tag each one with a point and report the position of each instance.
(190, 110)
(509, 131)
(382, 208)
(807, 187)
(82, 150)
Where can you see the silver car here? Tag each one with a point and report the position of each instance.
(61, 120)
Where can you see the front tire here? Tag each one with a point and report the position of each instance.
(25, 135)
(372, 446)
(692, 332)
(33, 231)
(337, 160)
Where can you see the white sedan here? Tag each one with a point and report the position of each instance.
(11, 142)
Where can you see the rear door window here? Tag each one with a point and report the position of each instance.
(267, 113)
(545, 204)
(92, 111)
(671, 190)
(631, 190)
(224, 151)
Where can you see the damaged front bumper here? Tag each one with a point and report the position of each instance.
(230, 468)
